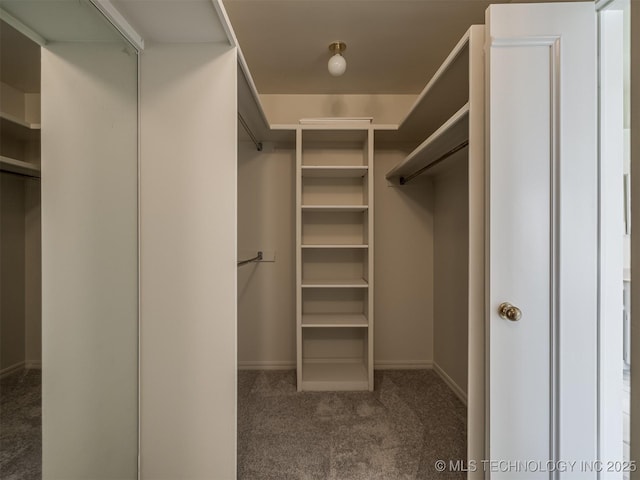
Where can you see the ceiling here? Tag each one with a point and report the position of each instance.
(393, 46)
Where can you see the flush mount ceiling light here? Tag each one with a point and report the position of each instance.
(337, 64)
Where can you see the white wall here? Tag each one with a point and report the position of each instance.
(89, 262)
(188, 262)
(288, 109)
(451, 266)
(266, 291)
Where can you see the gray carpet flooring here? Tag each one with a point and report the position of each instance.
(21, 426)
(396, 432)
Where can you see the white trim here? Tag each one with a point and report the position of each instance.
(36, 365)
(5, 372)
(403, 365)
(535, 41)
(460, 393)
(291, 365)
(121, 24)
(244, 67)
(266, 365)
(22, 28)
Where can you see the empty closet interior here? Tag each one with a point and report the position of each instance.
(331, 201)
(20, 281)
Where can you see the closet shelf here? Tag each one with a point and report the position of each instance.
(334, 208)
(346, 246)
(334, 171)
(338, 320)
(8, 118)
(447, 138)
(448, 87)
(18, 166)
(351, 283)
(334, 375)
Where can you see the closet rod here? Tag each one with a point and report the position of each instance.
(257, 258)
(250, 133)
(408, 178)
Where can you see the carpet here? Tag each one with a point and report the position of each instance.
(396, 432)
(21, 426)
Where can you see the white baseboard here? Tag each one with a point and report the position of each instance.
(11, 369)
(37, 365)
(403, 365)
(452, 385)
(382, 365)
(266, 365)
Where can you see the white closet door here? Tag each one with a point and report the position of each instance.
(541, 66)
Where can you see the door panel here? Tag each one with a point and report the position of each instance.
(522, 239)
(541, 64)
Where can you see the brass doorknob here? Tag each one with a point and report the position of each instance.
(509, 312)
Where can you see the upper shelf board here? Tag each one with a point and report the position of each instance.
(7, 118)
(448, 137)
(334, 171)
(447, 90)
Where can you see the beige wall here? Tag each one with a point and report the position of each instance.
(404, 268)
(266, 291)
(12, 274)
(33, 274)
(288, 109)
(20, 279)
(188, 173)
(451, 253)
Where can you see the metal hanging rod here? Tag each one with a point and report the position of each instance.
(257, 258)
(408, 178)
(250, 133)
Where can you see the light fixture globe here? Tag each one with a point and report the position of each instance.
(337, 64)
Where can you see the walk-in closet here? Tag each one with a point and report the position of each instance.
(328, 202)
(20, 255)
(303, 239)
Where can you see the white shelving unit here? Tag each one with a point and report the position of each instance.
(334, 225)
(20, 146)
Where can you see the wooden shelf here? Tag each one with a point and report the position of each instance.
(351, 283)
(319, 246)
(452, 134)
(334, 171)
(334, 208)
(334, 375)
(18, 166)
(337, 320)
